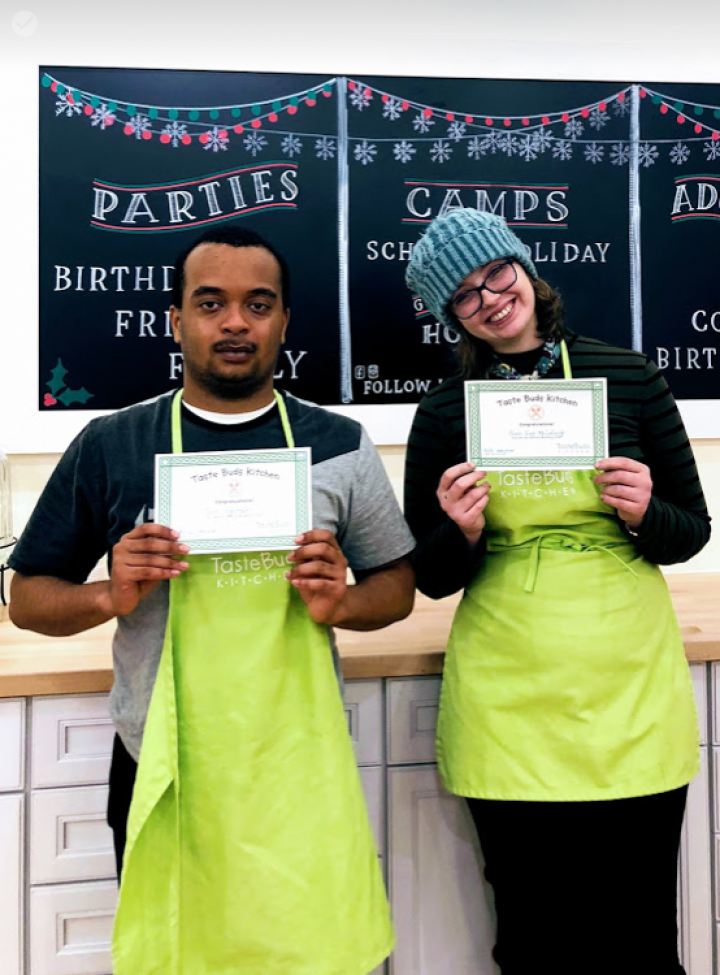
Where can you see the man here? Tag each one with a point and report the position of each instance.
(248, 848)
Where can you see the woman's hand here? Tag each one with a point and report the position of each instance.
(627, 486)
(463, 496)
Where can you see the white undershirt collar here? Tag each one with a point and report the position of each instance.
(228, 419)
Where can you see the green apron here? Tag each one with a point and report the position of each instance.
(565, 676)
(249, 848)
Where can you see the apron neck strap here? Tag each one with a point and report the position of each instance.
(567, 368)
(177, 427)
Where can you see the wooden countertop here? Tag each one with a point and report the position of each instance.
(31, 664)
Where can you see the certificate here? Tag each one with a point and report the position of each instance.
(235, 501)
(537, 426)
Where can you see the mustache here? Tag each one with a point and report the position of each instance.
(226, 345)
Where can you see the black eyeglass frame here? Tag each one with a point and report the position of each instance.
(483, 286)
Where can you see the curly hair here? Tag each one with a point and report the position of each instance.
(475, 356)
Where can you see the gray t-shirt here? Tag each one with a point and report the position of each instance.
(103, 487)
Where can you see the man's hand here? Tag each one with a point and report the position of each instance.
(319, 574)
(141, 559)
(463, 495)
(627, 486)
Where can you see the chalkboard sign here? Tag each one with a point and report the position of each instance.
(614, 187)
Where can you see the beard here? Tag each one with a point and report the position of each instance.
(231, 387)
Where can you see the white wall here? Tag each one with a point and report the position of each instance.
(457, 38)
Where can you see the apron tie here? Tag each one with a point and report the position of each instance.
(568, 540)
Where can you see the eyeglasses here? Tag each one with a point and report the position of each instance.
(502, 277)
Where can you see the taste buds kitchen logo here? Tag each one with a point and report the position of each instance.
(255, 569)
(535, 484)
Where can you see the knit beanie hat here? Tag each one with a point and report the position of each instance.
(454, 245)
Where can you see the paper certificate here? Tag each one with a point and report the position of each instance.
(534, 425)
(235, 501)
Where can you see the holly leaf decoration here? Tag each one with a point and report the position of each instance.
(58, 378)
(69, 396)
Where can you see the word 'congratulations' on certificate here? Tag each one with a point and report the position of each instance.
(235, 501)
(536, 425)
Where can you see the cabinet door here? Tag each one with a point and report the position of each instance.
(72, 740)
(696, 921)
(363, 709)
(71, 929)
(412, 715)
(11, 820)
(442, 906)
(69, 836)
(12, 735)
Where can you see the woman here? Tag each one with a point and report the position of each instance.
(567, 716)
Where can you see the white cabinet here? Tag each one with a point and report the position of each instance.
(412, 713)
(695, 905)
(71, 740)
(71, 929)
(441, 903)
(12, 742)
(364, 712)
(11, 884)
(69, 835)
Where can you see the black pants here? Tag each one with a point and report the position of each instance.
(584, 888)
(123, 770)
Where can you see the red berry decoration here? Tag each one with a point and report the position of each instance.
(715, 136)
(427, 112)
(292, 109)
(698, 128)
(351, 85)
(507, 123)
(602, 106)
(186, 140)
(643, 93)
(405, 106)
(147, 135)
(238, 130)
(272, 117)
(88, 110)
(204, 138)
(565, 117)
(621, 96)
(526, 121)
(128, 130)
(469, 119)
(489, 121)
(545, 120)
(53, 86)
(256, 123)
(449, 117)
(164, 138)
(367, 92)
(681, 119)
(585, 112)
(664, 108)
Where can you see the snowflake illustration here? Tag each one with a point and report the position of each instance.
(620, 154)
(456, 130)
(574, 129)
(255, 143)
(598, 118)
(440, 151)
(622, 108)
(365, 152)
(138, 124)
(325, 148)
(680, 153)
(102, 116)
(361, 98)
(291, 146)
(64, 106)
(392, 109)
(491, 142)
(543, 140)
(422, 124)
(217, 140)
(712, 150)
(527, 149)
(477, 146)
(594, 152)
(562, 150)
(176, 131)
(507, 143)
(647, 154)
(404, 151)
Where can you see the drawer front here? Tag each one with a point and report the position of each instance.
(412, 705)
(71, 929)
(12, 737)
(363, 709)
(71, 740)
(69, 836)
(11, 884)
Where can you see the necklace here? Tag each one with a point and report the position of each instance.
(548, 357)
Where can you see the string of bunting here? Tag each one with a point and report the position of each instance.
(210, 126)
(523, 136)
